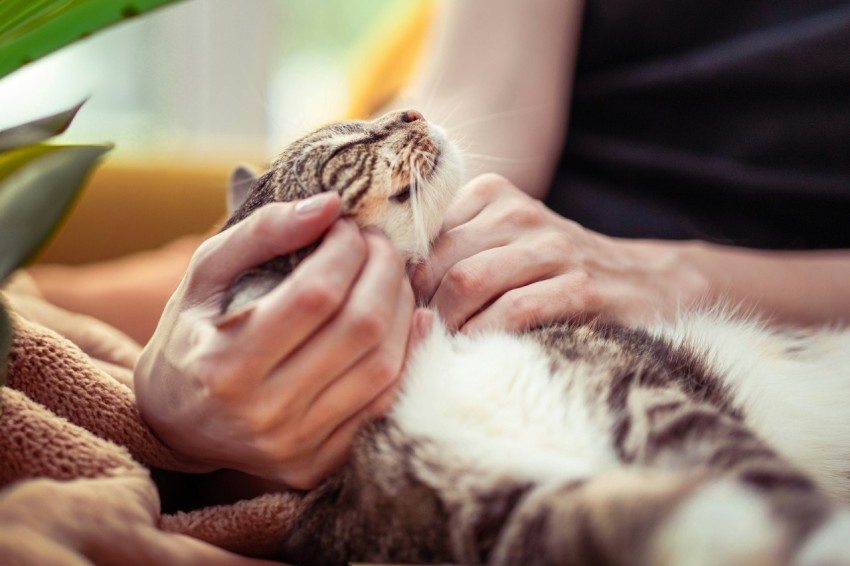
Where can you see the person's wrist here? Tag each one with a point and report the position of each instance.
(169, 427)
(685, 269)
(674, 269)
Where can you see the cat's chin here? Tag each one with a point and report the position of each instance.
(413, 233)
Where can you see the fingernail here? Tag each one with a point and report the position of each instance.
(418, 279)
(424, 321)
(375, 231)
(234, 318)
(348, 222)
(313, 204)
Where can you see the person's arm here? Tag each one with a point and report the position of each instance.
(280, 390)
(127, 292)
(506, 261)
(498, 76)
(795, 287)
(97, 521)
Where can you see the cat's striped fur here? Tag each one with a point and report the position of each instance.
(378, 167)
(714, 440)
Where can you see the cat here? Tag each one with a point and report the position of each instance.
(714, 439)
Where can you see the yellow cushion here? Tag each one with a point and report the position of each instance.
(389, 55)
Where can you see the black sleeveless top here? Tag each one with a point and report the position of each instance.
(727, 121)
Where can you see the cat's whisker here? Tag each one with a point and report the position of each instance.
(496, 159)
(298, 178)
(417, 199)
(463, 143)
(490, 118)
(428, 156)
(456, 104)
(434, 87)
(395, 161)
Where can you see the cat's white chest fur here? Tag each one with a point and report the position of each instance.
(494, 405)
(490, 404)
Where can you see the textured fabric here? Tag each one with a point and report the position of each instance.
(726, 120)
(72, 432)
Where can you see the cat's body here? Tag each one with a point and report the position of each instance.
(713, 440)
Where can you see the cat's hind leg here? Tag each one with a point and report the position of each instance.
(697, 487)
(641, 516)
(667, 429)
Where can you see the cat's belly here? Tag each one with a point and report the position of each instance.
(495, 405)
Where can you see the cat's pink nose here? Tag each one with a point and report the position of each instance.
(412, 116)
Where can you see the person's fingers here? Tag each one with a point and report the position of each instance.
(273, 230)
(471, 284)
(334, 449)
(360, 385)
(463, 234)
(380, 305)
(538, 303)
(306, 473)
(451, 248)
(502, 222)
(298, 308)
(474, 197)
(335, 445)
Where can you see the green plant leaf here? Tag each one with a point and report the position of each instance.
(38, 130)
(12, 160)
(37, 195)
(5, 343)
(30, 29)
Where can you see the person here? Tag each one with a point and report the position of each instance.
(280, 390)
(680, 113)
(717, 128)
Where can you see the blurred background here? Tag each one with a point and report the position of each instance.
(191, 90)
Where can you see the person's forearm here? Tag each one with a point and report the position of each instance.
(795, 287)
(809, 287)
(128, 293)
(498, 76)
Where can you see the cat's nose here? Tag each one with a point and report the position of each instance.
(411, 116)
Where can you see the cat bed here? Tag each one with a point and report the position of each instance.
(77, 458)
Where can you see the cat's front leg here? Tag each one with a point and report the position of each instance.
(258, 281)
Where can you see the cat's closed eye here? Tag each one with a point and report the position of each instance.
(402, 196)
(397, 173)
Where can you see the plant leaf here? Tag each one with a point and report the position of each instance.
(5, 343)
(12, 160)
(37, 195)
(30, 29)
(38, 130)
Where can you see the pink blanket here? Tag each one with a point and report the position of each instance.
(75, 457)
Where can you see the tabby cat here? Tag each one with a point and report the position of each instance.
(711, 440)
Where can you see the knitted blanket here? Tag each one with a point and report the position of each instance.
(76, 458)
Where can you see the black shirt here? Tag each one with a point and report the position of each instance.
(725, 120)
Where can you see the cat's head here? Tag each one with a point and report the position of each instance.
(397, 173)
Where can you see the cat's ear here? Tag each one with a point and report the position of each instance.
(241, 180)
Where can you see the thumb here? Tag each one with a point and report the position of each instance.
(272, 230)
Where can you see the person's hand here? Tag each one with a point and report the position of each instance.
(503, 260)
(96, 521)
(280, 390)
